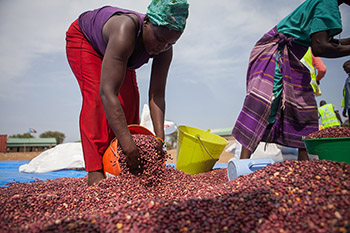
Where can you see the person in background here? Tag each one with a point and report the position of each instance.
(329, 116)
(104, 47)
(314, 64)
(280, 106)
(346, 91)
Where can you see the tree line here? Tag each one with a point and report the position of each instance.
(48, 134)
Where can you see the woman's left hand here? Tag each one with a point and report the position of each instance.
(161, 147)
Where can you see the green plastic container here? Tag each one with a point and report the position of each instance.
(334, 149)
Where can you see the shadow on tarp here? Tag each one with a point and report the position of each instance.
(9, 172)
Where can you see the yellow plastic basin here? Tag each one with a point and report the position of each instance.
(197, 150)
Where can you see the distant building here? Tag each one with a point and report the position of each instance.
(30, 144)
(224, 132)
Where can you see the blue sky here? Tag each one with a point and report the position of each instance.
(206, 82)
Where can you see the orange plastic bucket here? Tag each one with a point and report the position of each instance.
(110, 159)
(138, 129)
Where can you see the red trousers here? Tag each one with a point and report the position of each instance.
(95, 131)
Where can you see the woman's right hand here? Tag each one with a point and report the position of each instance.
(133, 162)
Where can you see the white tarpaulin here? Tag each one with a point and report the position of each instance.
(62, 156)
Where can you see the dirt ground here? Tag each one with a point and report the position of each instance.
(18, 156)
(224, 157)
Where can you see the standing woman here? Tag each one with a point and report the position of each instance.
(346, 92)
(104, 47)
(280, 106)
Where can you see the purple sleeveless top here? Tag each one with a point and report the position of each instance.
(92, 22)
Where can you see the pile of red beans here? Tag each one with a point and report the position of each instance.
(331, 132)
(152, 160)
(290, 196)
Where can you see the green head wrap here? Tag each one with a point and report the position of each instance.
(169, 13)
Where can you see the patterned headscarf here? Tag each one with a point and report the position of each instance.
(169, 13)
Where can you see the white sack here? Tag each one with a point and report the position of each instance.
(146, 121)
(62, 156)
(169, 127)
(270, 151)
(231, 148)
(274, 151)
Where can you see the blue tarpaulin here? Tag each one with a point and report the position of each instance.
(9, 172)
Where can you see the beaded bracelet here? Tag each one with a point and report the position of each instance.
(164, 144)
(160, 140)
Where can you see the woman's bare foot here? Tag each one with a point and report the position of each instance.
(245, 153)
(95, 177)
(302, 154)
